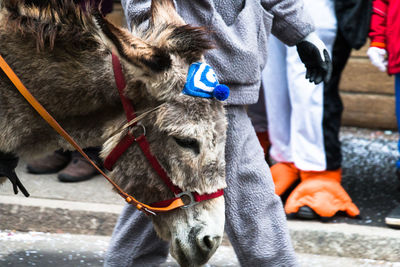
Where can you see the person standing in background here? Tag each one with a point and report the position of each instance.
(353, 19)
(384, 53)
(304, 119)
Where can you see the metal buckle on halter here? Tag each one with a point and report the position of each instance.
(131, 130)
(187, 197)
(149, 212)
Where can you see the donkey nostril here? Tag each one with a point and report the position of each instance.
(208, 242)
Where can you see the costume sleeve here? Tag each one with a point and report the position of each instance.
(291, 22)
(136, 11)
(378, 23)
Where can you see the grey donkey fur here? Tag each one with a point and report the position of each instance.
(63, 56)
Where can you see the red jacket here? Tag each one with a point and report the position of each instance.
(385, 30)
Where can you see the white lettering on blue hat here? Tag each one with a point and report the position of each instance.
(201, 81)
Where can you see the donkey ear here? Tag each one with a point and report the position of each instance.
(134, 49)
(164, 12)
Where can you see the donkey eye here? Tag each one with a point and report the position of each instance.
(188, 143)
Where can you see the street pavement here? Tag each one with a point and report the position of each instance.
(91, 208)
(19, 249)
(369, 174)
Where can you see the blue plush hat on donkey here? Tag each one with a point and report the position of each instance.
(202, 82)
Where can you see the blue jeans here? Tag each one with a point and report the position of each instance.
(397, 92)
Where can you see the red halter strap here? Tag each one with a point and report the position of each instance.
(177, 203)
(129, 139)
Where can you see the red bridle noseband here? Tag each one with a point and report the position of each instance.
(190, 198)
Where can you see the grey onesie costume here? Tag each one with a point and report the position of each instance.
(255, 220)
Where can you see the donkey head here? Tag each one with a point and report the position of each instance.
(186, 134)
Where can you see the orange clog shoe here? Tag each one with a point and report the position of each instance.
(322, 192)
(284, 175)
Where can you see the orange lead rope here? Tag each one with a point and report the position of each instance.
(53, 123)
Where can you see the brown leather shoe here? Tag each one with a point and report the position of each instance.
(79, 169)
(51, 163)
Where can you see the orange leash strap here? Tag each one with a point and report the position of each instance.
(56, 126)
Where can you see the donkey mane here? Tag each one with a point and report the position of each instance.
(51, 21)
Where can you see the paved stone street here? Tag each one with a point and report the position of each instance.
(81, 216)
(65, 250)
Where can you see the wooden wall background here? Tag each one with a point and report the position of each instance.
(117, 16)
(367, 94)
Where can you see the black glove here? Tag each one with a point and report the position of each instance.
(8, 163)
(314, 54)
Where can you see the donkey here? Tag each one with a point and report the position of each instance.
(62, 53)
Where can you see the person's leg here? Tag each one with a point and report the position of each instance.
(393, 218)
(257, 113)
(333, 106)
(397, 99)
(134, 242)
(276, 101)
(278, 109)
(51, 163)
(79, 169)
(255, 221)
(320, 190)
(258, 116)
(307, 140)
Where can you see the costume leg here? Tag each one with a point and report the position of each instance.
(278, 109)
(307, 140)
(320, 190)
(255, 221)
(277, 103)
(134, 242)
(333, 106)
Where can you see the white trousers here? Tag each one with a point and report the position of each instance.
(294, 106)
